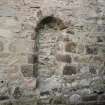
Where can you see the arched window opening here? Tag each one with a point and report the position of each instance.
(48, 32)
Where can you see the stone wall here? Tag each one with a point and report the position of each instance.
(53, 50)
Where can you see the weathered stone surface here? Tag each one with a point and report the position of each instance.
(28, 86)
(7, 11)
(75, 98)
(32, 59)
(17, 93)
(1, 46)
(81, 59)
(27, 70)
(10, 58)
(91, 50)
(101, 28)
(35, 70)
(100, 38)
(69, 70)
(70, 47)
(97, 59)
(50, 83)
(84, 68)
(80, 49)
(6, 33)
(13, 68)
(84, 83)
(90, 98)
(92, 69)
(97, 86)
(101, 98)
(64, 58)
(24, 101)
(85, 92)
(47, 47)
(21, 46)
(4, 89)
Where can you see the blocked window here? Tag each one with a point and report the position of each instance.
(48, 32)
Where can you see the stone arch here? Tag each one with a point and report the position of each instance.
(49, 20)
(47, 33)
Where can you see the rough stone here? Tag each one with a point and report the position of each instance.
(24, 101)
(75, 98)
(91, 50)
(90, 98)
(101, 98)
(1, 46)
(69, 70)
(85, 92)
(64, 58)
(50, 46)
(35, 70)
(17, 93)
(4, 89)
(27, 70)
(80, 49)
(100, 39)
(70, 47)
(19, 46)
(50, 83)
(28, 86)
(7, 11)
(32, 59)
(84, 83)
(92, 69)
(97, 86)
(81, 59)
(84, 69)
